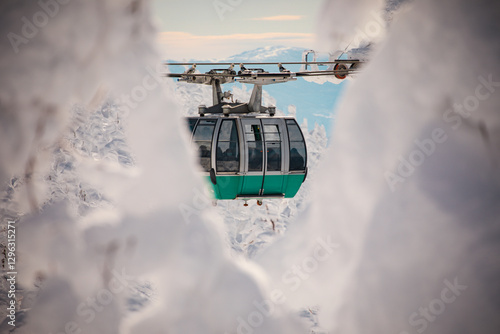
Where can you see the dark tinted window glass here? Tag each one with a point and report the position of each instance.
(271, 132)
(273, 144)
(204, 130)
(252, 132)
(297, 156)
(255, 156)
(293, 131)
(273, 156)
(202, 138)
(228, 153)
(204, 150)
(191, 123)
(297, 147)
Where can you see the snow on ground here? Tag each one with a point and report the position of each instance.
(396, 231)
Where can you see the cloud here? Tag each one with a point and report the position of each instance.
(179, 45)
(324, 116)
(177, 35)
(279, 18)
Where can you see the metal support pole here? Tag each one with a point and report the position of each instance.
(255, 103)
(216, 91)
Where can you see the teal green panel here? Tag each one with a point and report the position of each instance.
(251, 185)
(214, 190)
(228, 186)
(273, 184)
(293, 184)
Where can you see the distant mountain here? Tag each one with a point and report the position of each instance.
(268, 53)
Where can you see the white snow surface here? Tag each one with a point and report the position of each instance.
(118, 235)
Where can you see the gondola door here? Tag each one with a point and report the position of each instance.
(254, 157)
(273, 166)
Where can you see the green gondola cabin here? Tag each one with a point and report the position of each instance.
(246, 157)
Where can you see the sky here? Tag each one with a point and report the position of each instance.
(215, 29)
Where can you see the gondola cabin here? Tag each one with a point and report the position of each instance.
(246, 157)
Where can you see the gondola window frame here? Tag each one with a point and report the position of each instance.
(204, 123)
(233, 142)
(295, 141)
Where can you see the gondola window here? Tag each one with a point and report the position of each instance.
(203, 140)
(273, 144)
(228, 154)
(254, 144)
(297, 147)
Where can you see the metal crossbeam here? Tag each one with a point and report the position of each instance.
(339, 61)
(262, 75)
(256, 76)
